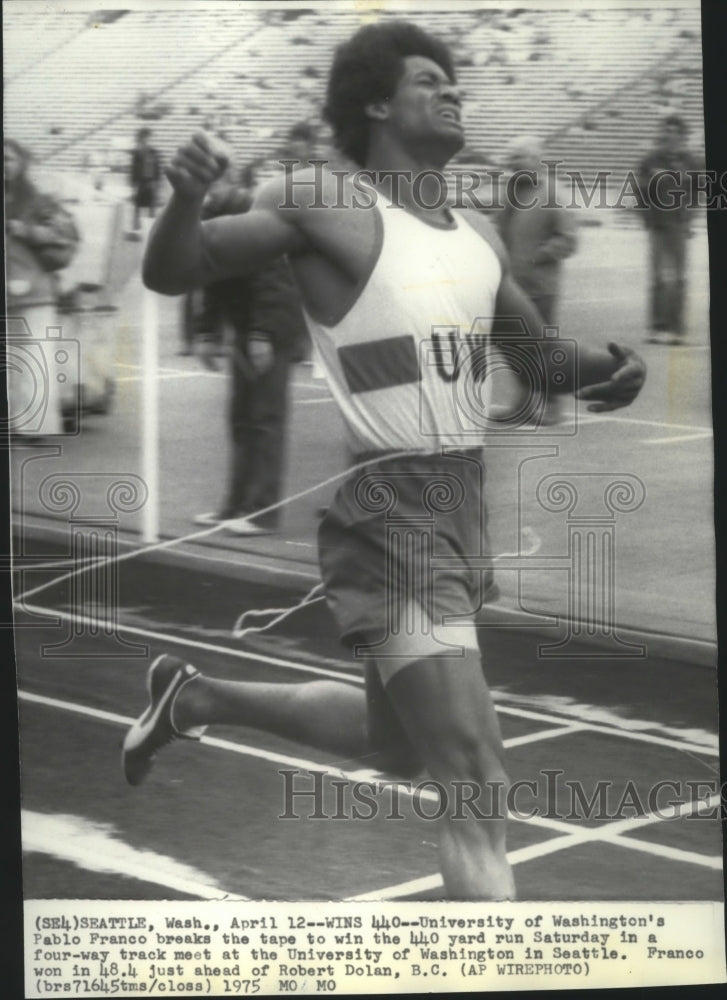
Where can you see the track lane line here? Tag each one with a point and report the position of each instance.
(210, 647)
(544, 734)
(341, 675)
(613, 829)
(640, 421)
(670, 853)
(98, 847)
(555, 844)
(19, 560)
(698, 435)
(611, 833)
(244, 749)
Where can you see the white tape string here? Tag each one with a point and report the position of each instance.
(205, 532)
(239, 631)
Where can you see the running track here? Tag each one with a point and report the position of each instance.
(206, 823)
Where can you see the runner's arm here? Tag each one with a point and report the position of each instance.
(609, 378)
(185, 253)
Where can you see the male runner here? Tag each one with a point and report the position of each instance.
(375, 280)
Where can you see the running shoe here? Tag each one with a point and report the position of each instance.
(244, 526)
(209, 519)
(154, 728)
(666, 337)
(213, 517)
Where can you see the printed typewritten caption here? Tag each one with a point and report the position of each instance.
(81, 948)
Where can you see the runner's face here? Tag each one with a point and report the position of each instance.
(426, 106)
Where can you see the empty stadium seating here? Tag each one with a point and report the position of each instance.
(591, 82)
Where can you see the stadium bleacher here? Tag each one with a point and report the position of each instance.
(590, 82)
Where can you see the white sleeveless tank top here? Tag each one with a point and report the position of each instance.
(406, 362)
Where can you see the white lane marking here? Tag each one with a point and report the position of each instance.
(678, 438)
(125, 364)
(516, 857)
(205, 532)
(614, 724)
(647, 819)
(378, 777)
(20, 562)
(166, 370)
(599, 719)
(171, 373)
(628, 734)
(97, 847)
(235, 561)
(272, 756)
(146, 633)
(321, 386)
(599, 418)
(71, 706)
(162, 376)
(188, 553)
(397, 891)
(323, 399)
(609, 834)
(243, 749)
(670, 853)
(544, 734)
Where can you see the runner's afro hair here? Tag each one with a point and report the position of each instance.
(367, 69)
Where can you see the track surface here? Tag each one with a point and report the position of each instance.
(215, 809)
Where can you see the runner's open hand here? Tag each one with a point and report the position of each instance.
(624, 385)
(196, 165)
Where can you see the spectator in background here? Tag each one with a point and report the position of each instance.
(205, 318)
(202, 327)
(96, 162)
(262, 320)
(41, 239)
(538, 238)
(146, 172)
(300, 143)
(664, 186)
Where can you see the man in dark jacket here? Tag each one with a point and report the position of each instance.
(539, 236)
(146, 173)
(263, 321)
(665, 185)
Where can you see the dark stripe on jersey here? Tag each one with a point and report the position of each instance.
(380, 364)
